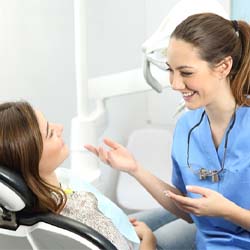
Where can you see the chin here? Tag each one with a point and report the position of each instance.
(192, 106)
(66, 151)
(63, 155)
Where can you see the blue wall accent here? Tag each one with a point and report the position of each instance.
(240, 9)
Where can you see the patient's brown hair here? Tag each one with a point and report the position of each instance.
(21, 147)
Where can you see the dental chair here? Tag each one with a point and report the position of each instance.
(20, 228)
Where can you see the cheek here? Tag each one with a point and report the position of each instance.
(48, 152)
(52, 155)
(198, 84)
(45, 160)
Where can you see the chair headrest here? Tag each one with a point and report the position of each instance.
(14, 193)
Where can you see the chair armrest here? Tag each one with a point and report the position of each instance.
(66, 223)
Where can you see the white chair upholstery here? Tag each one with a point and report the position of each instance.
(151, 147)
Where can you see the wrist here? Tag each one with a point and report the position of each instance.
(153, 238)
(149, 239)
(229, 211)
(136, 170)
(237, 215)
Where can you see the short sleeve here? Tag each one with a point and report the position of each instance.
(177, 177)
(178, 153)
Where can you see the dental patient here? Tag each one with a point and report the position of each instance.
(33, 147)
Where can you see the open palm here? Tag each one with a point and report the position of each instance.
(117, 156)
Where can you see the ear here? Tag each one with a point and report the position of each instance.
(224, 67)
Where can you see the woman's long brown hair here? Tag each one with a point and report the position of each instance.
(21, 148)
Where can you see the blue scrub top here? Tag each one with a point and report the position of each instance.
(215, 232)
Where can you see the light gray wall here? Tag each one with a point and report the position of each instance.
(37, 49)
(37, 56)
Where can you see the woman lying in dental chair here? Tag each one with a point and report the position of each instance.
(33, 147)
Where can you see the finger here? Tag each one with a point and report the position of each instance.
(181, 207)
(112, 143)
(199, 190)
(132, 220)
(185, 208)
(111, 156)
(182, 199)
(135, 223)
(191, 210)
(103, 155)
(91, 149)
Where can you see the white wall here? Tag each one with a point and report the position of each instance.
(37, 58)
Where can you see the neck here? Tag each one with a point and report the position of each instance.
(52, 179)
(219, 117)
(221, 112)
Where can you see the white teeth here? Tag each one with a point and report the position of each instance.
(188, 94)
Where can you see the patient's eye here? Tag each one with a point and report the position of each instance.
(51, 133)
(169, 69)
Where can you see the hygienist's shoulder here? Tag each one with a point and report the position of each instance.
(190, 117)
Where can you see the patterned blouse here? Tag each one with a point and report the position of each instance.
(83, 207)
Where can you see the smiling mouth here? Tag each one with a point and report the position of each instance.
(188, 94)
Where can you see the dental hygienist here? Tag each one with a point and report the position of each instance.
(209, 64)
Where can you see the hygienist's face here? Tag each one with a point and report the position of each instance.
(54, 149)
(192, 77)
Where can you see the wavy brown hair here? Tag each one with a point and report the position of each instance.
(21, 147)
(216, 38)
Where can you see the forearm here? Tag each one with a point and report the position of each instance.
(156, 188)
(238, 215)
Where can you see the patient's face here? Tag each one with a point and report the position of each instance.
(54, 149)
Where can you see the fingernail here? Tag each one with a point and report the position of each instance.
(166, 193)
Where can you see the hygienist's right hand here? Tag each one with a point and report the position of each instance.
(117, 156)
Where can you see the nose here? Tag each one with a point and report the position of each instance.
(60, 129)
(177, 83)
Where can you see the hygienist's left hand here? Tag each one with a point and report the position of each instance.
(211, 203)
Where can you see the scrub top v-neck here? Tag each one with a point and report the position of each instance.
(234, 180)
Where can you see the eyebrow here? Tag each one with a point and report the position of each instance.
(47, 129)
(181, 67)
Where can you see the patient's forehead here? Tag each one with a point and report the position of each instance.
(41, 121)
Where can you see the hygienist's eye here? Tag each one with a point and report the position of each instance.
(186, 73)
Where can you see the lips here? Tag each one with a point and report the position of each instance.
(188, 94)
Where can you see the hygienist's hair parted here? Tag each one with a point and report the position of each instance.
(217, 38)
(21, 147)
